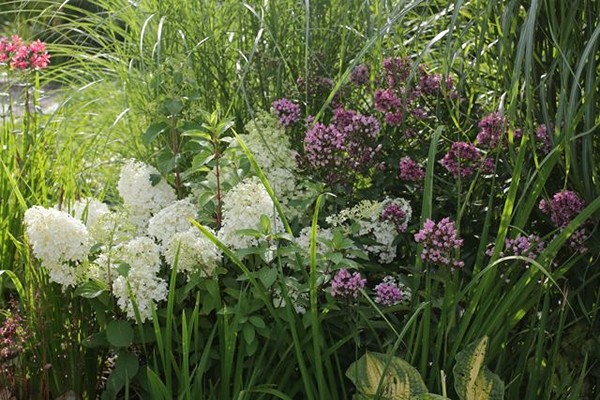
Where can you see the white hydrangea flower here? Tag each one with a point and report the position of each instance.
(298, 295)
(369, 215)
(303, 239)
(113, 228)
(136, 188)
(242, 208)
(60, 241)
(269, 144)
(194, 252)
(171, 220)
(141, 283)
(89, 210)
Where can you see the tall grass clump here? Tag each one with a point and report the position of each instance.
(318, 199)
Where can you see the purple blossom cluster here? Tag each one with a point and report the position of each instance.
(492, 130)
(543, 139)
(577, 240)
(463, 159)
(439, 242)
(346, 145)
(396, 214)
(391, 105)
(409, 170)
(389, 293)
(21, 56)
(527, 246)
(563, 207)
(286, 111)
(360, 75)
(346, 285)
(12, 336)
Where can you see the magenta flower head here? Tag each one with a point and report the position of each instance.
(563, 207)
(360, 75)
(439, 240)
(389, 292)
(409, 170)
(22, 56)
(492, 130)
(347, 286)
(463, 159)
(286, 111)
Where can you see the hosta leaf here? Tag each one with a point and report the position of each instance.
(399, 381)
(429, 396)
(472, 380)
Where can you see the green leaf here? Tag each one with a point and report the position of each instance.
(429, 396)
(91, 289)
(265, 224)
(249, 333)
(392, 378)
(126, 368)
(267, 276)
(257, 322)
(155, 179)
(165, 161)
(123, 269)
(152, 132)
(96, 340)
(172, 106)
(472, 380)
(119, 333)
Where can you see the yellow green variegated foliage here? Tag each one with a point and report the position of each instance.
(429, 396)
(376, 374)
(472, 380)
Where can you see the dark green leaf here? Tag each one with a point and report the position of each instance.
(119, 333)
(153, 132)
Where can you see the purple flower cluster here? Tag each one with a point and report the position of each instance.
(492, 130)
(397, 71)
(543, 139)
(464, 159)
(563, 207)
(346, 285)
(22, 56)
(439, 241)
(286, 111)
(389, 293)
(577, 240)
(394, 213)
(387, 102)
(528, 246)
(409, 170)
(360, 75)
(345, 146)
(12, 335)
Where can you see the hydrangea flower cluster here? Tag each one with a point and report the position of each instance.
(369, 215)
(268, 142)
(346, 145)
(144, 192)
(527, 246)
(192, 252)
(89, 210)
(463, 159)
(439, 241)
(563, 207)
(389, 292)
(141, 282)
(492, 130)
(22, 56)
(171, 220)
(243, 206)
(298, 295)
(287, 112)
(346, 285)
(60, 241)
(409, 170)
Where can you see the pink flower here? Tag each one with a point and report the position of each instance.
(439, 242)
(346, 285)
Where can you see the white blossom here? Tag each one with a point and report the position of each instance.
(193, 252)
(243, 206)
(171, 220)
(59, 241)
(142, 188)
